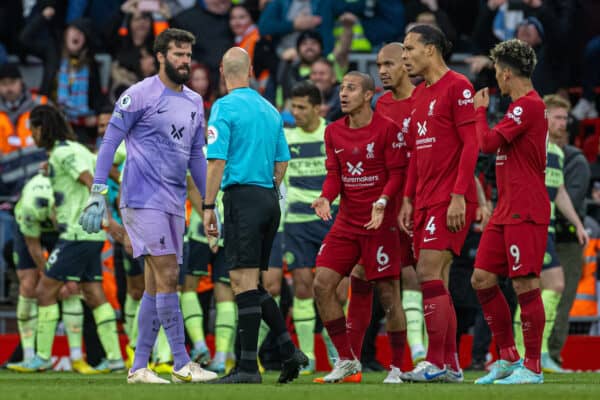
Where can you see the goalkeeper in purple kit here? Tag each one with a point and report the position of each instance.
(162, 123)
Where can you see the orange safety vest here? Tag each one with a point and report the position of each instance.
(205, 283)
(109, 281)
(14, 138)
(586, 300)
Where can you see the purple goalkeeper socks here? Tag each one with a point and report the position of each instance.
(169, 314)
(148, 326)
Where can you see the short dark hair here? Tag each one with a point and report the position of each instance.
(325, 61)
(54, 125)
(367, 81)
(516, 55)
(106, 108)
(310, 34)
(307, 88)
(430, 34)
(161, 44)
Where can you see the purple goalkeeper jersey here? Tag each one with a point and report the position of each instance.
(164, 136)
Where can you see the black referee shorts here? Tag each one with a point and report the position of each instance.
(251, 220)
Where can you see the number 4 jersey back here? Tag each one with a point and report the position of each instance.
(363, 160)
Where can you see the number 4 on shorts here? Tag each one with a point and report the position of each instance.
(430, 226)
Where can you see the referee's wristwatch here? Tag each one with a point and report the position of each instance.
(208, 206)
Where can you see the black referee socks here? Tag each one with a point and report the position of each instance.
(271, 314)
(249, 315)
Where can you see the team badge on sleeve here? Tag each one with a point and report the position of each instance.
(213, 135)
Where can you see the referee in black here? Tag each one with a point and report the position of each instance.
(247, 159)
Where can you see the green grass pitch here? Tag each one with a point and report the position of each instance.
(65, 385)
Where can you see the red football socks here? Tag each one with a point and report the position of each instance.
(497, 314)
(533, 320)
(397, 344)
(337, 332)
(436, 309)
(359, 313)
(450, 352)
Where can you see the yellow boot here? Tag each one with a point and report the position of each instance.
(82, 367)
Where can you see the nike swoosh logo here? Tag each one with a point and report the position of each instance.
(337, 151)
(187, 378)
(428, 313)
(429, 376)
(161, 111)
(380, 269)
(429, 239)
(517, 267)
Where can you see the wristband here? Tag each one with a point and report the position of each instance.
(99, 188)
(208, 206)
(382, 201)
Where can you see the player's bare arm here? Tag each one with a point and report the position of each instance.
(405, 218)
(564, 204)
(484, 212)
(214, 176)
(280, 168)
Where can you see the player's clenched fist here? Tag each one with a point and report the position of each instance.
(322, 208)
(211, 228)
(482, 98)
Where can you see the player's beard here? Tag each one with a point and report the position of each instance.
(174, 75)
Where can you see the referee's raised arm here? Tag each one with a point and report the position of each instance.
(247, 157)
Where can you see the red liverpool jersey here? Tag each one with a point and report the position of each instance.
(363, 164)
(445, 144)
(521, 162)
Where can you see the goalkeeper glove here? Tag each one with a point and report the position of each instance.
(94, 215)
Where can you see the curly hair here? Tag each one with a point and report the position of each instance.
(54, 125)
(515, 54)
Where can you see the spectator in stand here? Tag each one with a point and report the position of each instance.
(284, 20)
(429, 12)
(322, 73)
(382, 21)
(210, 26)
(544, 25)
(296, 63)
(242, 22)
(11, 23)
(99, 12)
(15, 104)
(586, 106)
(200, 83)
(74, 76)
(127, 51)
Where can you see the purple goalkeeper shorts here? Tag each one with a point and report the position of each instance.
(154, 232)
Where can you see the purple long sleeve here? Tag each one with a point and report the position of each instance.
(197, 167)
(111, 141)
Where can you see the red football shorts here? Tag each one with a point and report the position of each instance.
(431, 231)
(378, 253)
(512, 250)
